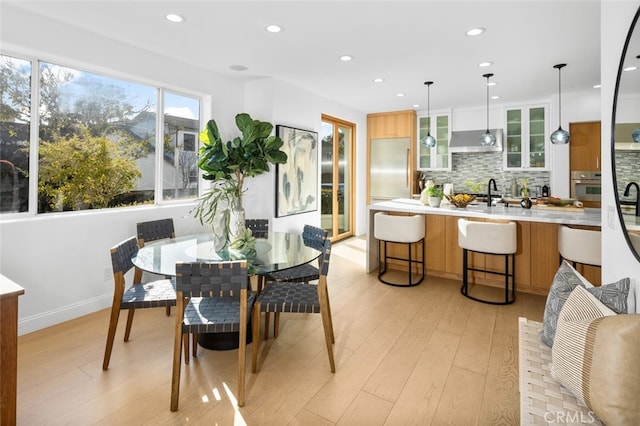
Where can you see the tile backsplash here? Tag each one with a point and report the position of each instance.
(479, 168)
(627, 170)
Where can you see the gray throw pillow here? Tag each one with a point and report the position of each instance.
(613, 295)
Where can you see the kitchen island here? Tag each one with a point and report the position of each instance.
(537, 257)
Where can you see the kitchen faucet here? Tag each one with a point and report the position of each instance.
(489, 191)
(626, 194)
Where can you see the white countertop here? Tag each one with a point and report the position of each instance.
(587, 217)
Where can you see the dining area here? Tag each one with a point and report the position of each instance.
(220, 291)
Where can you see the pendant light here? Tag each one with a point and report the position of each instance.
(487, 139)
(428, 141)
(560, 136)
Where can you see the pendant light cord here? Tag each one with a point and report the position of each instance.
(560, 96)
(559, 68)
(487, 76)
(428, 84)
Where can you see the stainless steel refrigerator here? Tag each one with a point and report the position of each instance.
(389, 173)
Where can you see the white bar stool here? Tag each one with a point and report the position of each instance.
(580, 246)
(492, 239)
(400, 229)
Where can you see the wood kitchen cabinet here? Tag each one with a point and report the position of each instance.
(395, 124)
(584, 146)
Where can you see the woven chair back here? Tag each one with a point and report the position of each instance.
(220, 279)
(259, 227)
(155, 230)
(121, 255)
(314, 236)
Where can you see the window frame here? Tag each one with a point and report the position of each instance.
(34, 128)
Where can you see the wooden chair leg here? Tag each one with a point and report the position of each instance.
(127, 330)
(276, 324)
(111, 334)
(185, 343)
(266, 326)
(242, 356)
(255, 345)
(177, 354)
(194, 343)
(333, 337)
(328, 327)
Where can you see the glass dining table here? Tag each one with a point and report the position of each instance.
(279, 251)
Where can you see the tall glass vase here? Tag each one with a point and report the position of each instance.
(236, 219)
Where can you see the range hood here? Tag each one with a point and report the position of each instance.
(469, 141)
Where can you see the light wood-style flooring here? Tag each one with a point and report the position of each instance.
(404, 356)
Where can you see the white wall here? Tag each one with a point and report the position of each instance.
(285, 104)
(617, 259)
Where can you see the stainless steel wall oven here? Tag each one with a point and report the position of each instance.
(586, 186)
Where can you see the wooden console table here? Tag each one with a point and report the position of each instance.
(9, 292)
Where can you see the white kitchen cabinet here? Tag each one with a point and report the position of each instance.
(527, 138)
(438, 157)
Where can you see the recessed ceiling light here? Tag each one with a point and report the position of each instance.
(399, 95)
(416, 105)
(491, 83)
(597, 86)
(495, 97)
(475, 31)
(485, 64)
(346, 58)
(238, 68)
(378, 80)
(273, 28)
(631, 68)
(174, 17)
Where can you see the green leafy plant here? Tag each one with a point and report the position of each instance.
(435, 191)
(84, 172)
(229, 163)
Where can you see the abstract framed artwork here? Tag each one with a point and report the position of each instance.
(297, 179)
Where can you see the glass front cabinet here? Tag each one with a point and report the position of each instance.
(438, 157)
(527, 139)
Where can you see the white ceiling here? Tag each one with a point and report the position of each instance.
(404, 42)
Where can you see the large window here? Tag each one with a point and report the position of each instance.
(98, 142)
(15, 119)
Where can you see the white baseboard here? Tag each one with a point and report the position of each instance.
(62, 314)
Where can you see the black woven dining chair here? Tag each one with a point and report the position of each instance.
(155, 230)
(211, 298)
(296, 297)
(148, 295)
(313, 237)
(259, 227)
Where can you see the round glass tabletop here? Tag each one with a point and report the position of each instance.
(281, 250)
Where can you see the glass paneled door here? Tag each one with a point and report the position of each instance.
(337, 190)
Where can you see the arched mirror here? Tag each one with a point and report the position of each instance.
(625, 153)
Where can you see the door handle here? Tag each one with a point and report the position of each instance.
(408, 178)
